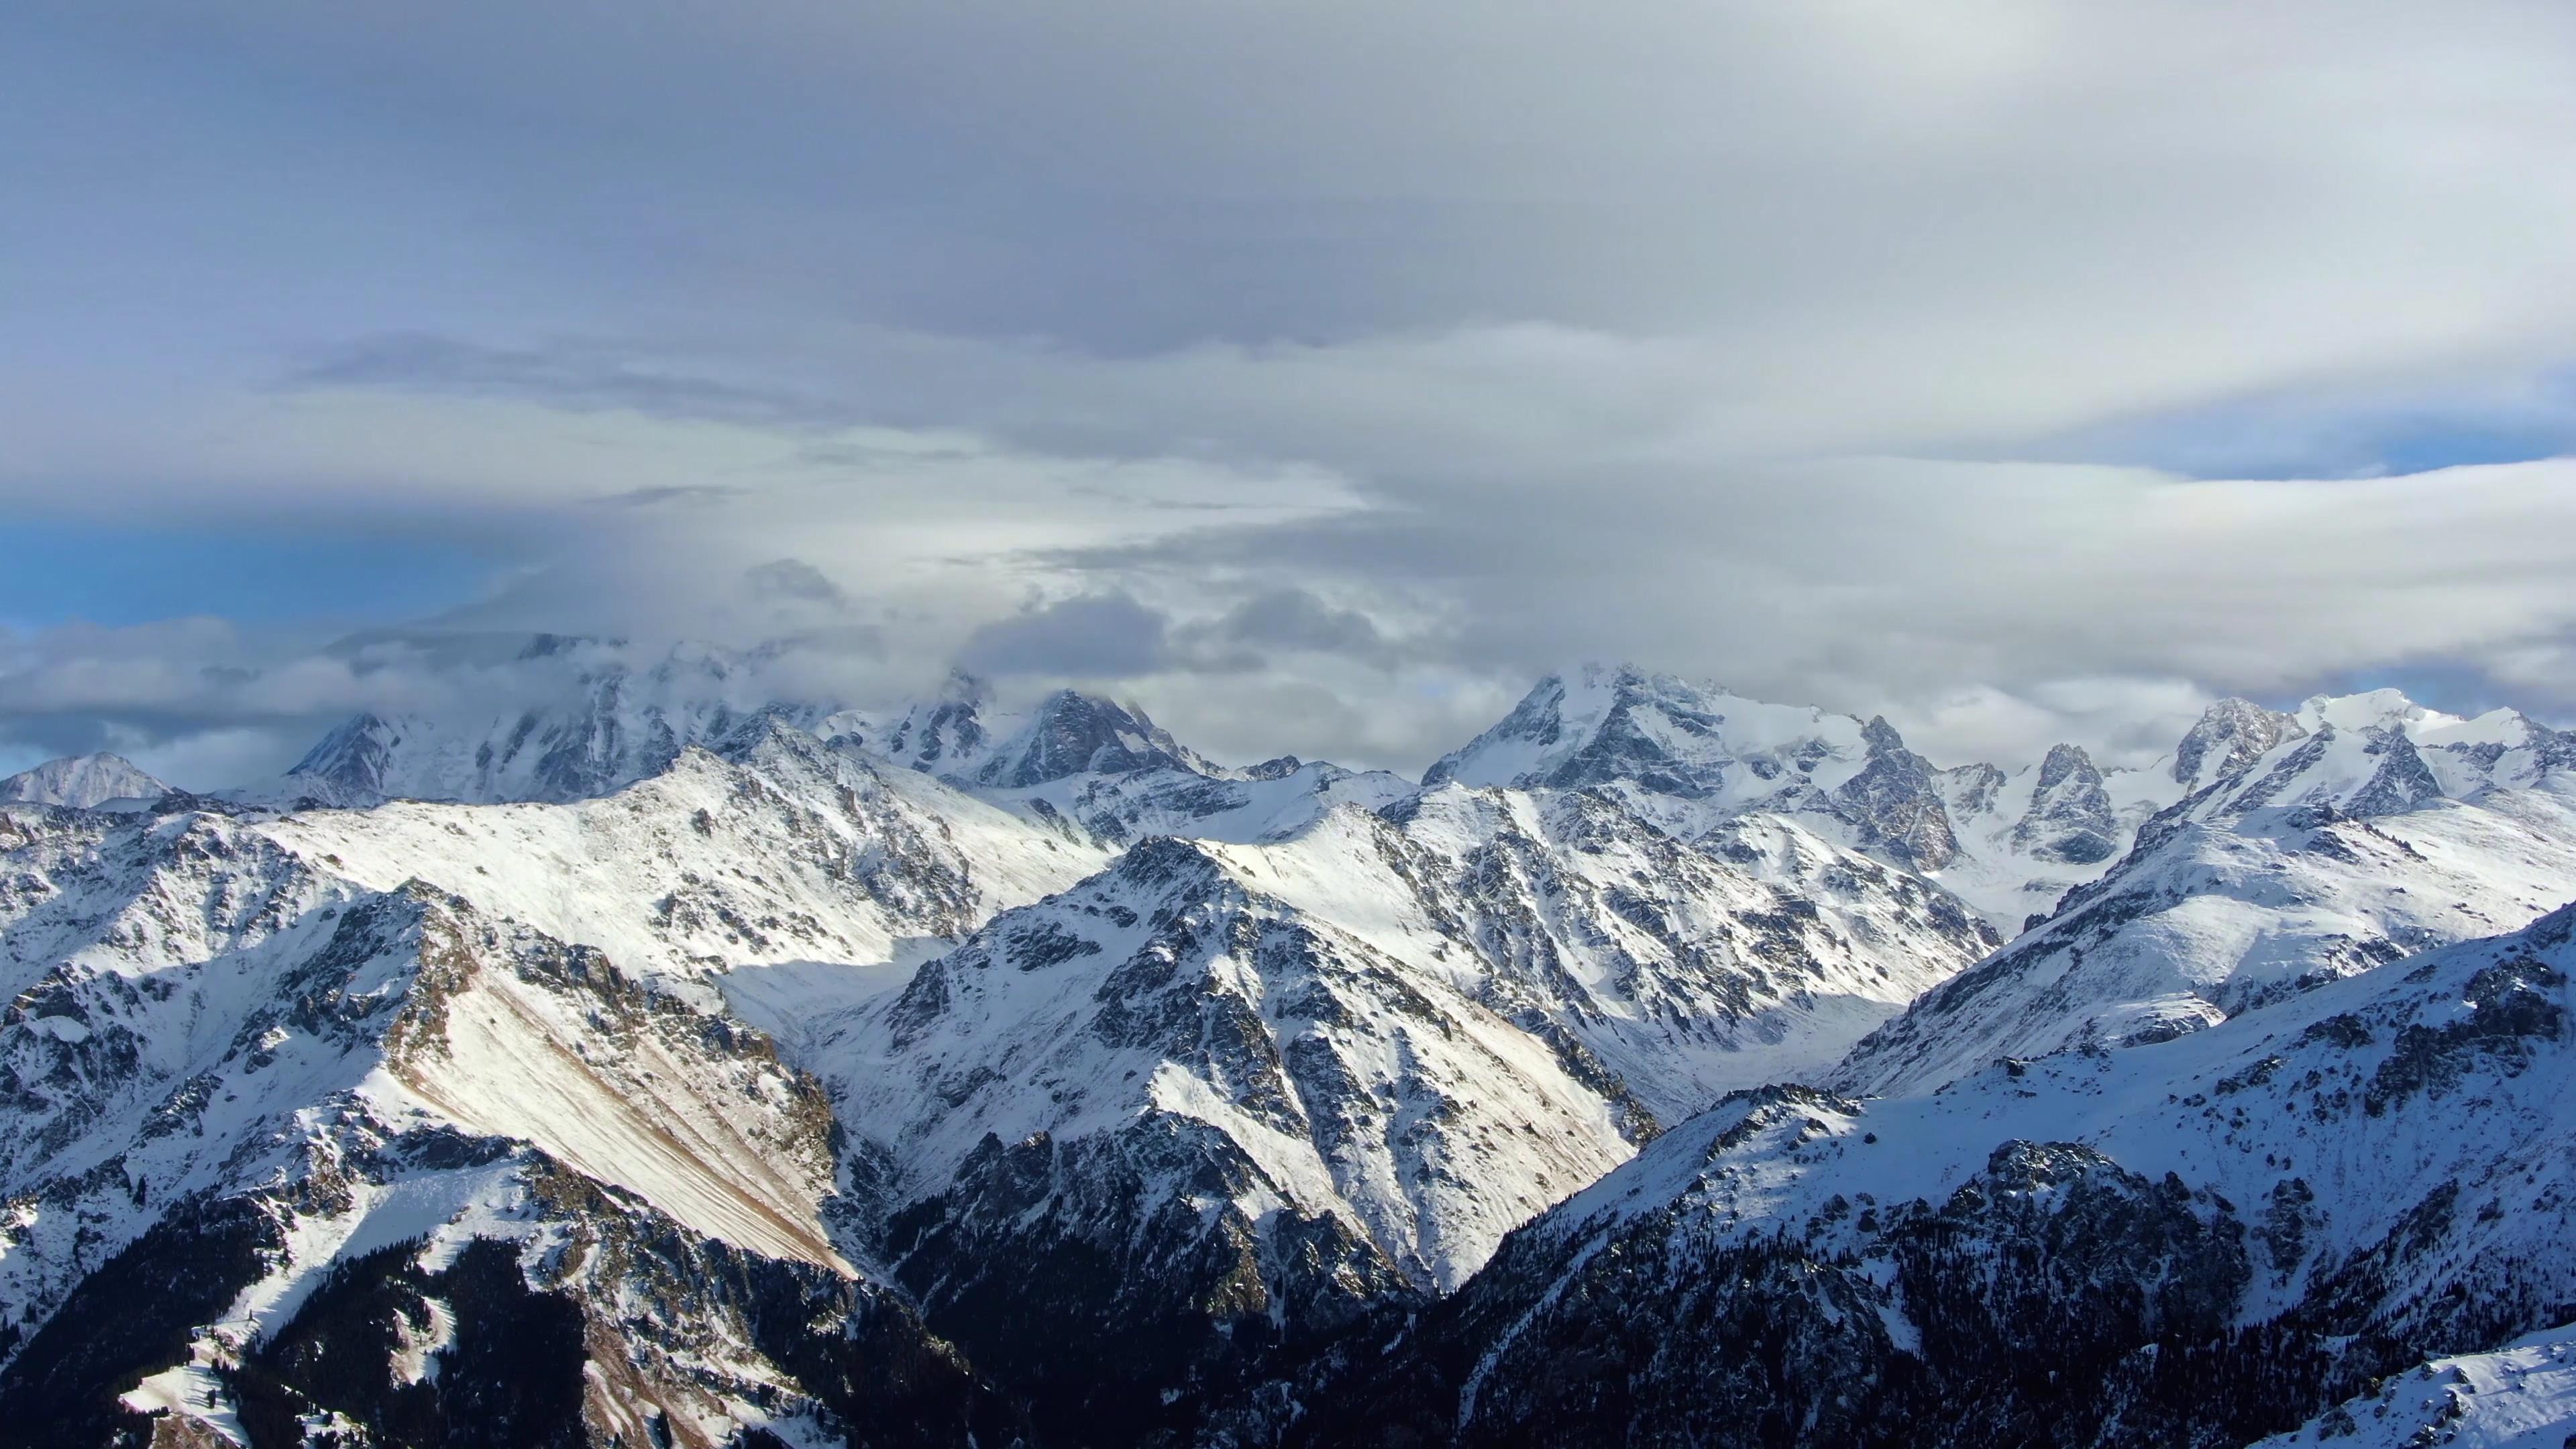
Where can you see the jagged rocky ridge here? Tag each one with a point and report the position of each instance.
(2313, 846)
(1691, 758)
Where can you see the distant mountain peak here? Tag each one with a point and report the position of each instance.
(82, 782)
(2229, 737)
(583, 719)
(2371, 708)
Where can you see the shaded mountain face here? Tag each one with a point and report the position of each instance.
(2194, 1243)
(82, 782)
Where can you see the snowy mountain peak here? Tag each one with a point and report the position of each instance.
(2371, 709)
(82, 782)
(2231, 735)
(1692, 757)
(356, 756)
(2066, 762)
(2071, 819)
(1596, 724)
(960, 737)
(1076, 734)
(580, 718)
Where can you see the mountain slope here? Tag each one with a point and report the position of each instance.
(284, 1153)
(2190, 1243)
(781, 851)
(1164, 1117)
(2521, 1396)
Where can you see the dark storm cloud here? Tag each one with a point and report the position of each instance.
(1294, 618)
(1101, 636)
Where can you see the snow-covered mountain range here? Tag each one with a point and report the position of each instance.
(1690, 757)
(655, 1060)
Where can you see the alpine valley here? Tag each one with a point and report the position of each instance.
(657, 1061)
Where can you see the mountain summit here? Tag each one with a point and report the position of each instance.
(82, 782)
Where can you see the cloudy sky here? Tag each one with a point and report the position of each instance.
(1315, 373)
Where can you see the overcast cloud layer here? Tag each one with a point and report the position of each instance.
(1317, 374)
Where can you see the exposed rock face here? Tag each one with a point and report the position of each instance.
(2231, 736)
(1894, 805)
(2070, 819)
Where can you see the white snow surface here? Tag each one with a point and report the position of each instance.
(2521, 1396)
(82, 782)
(794, 851)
